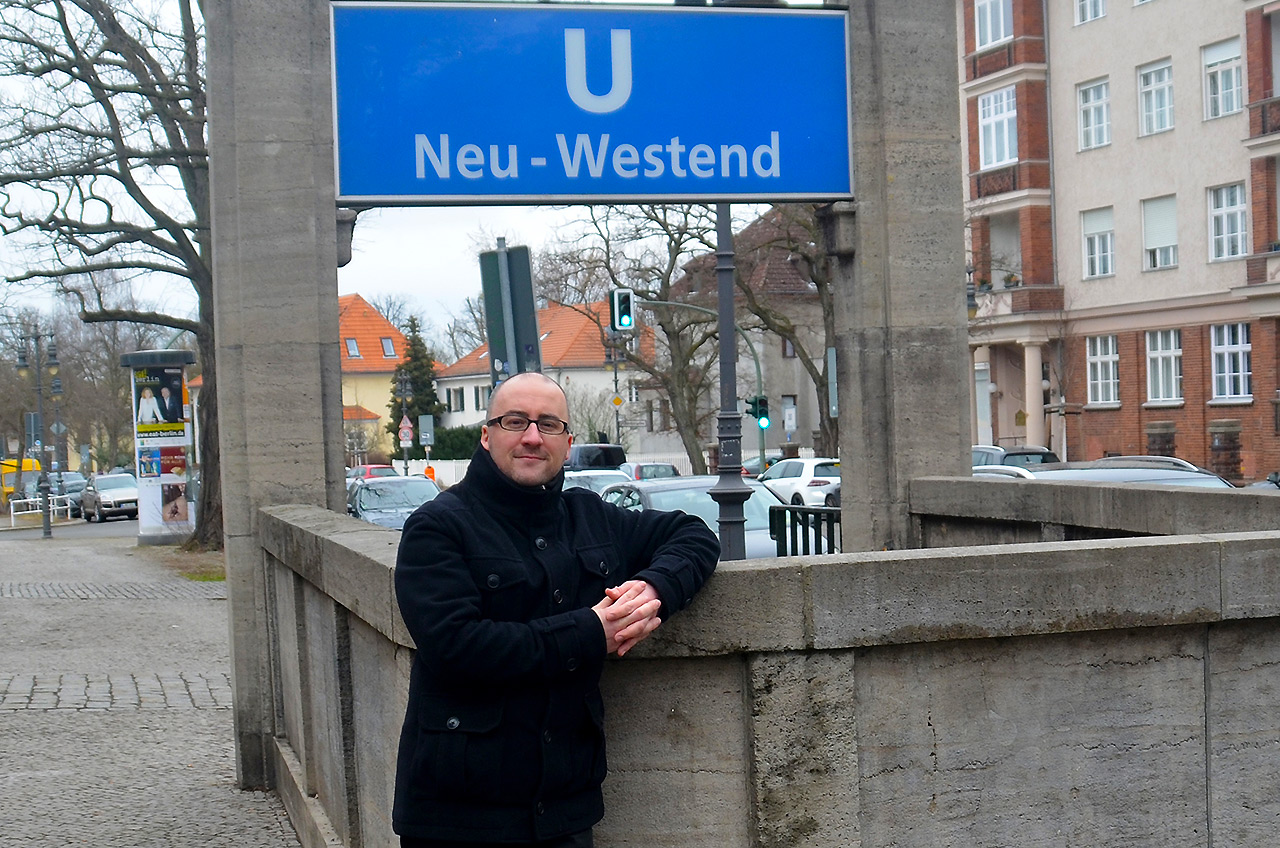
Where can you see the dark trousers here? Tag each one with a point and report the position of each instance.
(573, 840)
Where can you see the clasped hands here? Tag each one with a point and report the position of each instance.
(629, 613)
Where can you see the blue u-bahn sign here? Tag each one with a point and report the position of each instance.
(499, 103)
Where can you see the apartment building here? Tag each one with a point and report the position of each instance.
(1121, 200)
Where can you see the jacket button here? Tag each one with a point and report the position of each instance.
(557, 596)
(539, 809)
(604, 567)
(572, 664)
(493, 581)
(546, 736)
(540, 543)
(452, 723)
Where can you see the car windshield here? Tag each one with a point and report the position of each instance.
(698, 502)
(411, 493)
(381, 472)
(827, 469)
(116, 483)
(594, 482)
(1025, 459)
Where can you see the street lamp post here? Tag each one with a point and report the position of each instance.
(404, 391)
(48, 361)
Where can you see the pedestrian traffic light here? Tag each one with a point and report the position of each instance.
(621, 304)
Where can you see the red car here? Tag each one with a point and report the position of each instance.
(371, 471)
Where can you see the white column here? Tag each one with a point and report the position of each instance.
(1033, 393)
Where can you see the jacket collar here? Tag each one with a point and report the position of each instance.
(499, 493)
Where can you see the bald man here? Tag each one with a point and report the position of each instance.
(515, 590)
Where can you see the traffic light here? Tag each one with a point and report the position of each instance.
(621, 304)
(758, 408)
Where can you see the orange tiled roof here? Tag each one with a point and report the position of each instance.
(360, 321)
(359, 413)
(571, 338)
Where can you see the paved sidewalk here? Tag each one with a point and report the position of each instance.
(115, 696)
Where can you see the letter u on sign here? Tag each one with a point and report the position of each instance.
(575, 71)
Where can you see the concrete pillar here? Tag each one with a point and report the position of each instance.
(1033, 392)
(899, 260)
(275, 308)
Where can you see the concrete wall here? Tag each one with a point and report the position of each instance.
(1042, 694)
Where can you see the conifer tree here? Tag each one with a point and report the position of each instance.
(420, 367)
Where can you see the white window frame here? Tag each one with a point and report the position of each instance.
(1094, 113)
(388, 347)
(1223, 79)
(1160, 233)
(1228, 222)
(1099, 243)
(1103, 359)
(992, 22)
(1155, 97)
(1231, 351)
(997, 125)
(1164, 366)
(1090, 10)
(353, 349)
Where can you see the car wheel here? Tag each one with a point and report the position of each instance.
(85, 515)
(830, 500)
(796, 500)
(97, 513)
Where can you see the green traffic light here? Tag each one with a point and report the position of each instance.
(763, 422)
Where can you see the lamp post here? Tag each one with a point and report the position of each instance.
(46, 360)
(404, 391)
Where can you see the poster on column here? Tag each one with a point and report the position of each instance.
(162, 436)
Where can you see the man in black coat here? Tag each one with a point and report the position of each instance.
(515, 591)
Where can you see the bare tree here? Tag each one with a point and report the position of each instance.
(104, 170)
(645, 248)
(466, 332)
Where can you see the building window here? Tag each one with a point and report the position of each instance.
(1232, 362)
(1159, 233)
(1223, 79)
(457, 400)
(1103, 360)
(998, 128)
(994, 21)
(482, 397)
(1227, 213)
(1099, 243)
(1088, 10)
(1155, 97)
(1164, 365)
(633, 392)
(788, 349)
(1095, 114)
(353, 349)
(388, 348)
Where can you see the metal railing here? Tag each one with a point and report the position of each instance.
(801, 530)
(31, 506)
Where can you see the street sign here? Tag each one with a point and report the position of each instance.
(474, 102)
(57, 428)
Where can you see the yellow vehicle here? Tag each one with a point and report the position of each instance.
(9, 475)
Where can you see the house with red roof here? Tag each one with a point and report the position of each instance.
(575, 354)
(370, 348)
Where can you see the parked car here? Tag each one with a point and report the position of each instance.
(107, 495)
(596, 481)
(389, 501)
(362, 471)
(71, 484)
(691, 495)
(596, 455)
(833, 496)
(1023, 455)
(802, 481)
(751, 464)
(649, 470)
(1152, 470)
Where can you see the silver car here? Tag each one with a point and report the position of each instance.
(108, 495)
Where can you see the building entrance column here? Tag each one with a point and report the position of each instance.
(1033, 392)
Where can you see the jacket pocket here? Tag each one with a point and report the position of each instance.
(601, 567)
(504, 588)
(459, 748)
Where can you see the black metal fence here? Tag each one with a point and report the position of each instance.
(801, 530)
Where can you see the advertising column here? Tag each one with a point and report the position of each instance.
(162, 444)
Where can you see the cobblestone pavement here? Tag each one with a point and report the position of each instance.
(115, 704)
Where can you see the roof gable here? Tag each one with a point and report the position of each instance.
(360, 323)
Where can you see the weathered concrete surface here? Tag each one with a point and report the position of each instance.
(1051, 694)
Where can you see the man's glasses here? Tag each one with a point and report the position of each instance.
(515, 422)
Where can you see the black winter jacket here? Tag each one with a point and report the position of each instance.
(503, 738)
